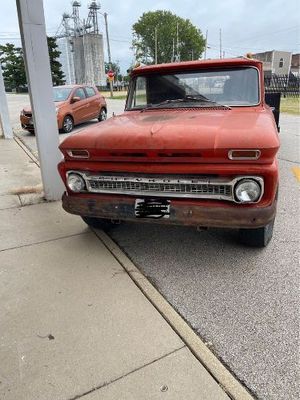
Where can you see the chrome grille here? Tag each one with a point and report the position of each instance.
(161, 187)
(101, 186)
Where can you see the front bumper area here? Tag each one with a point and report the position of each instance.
(26, 122)
(182, 212)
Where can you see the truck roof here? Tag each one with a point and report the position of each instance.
(189, 65)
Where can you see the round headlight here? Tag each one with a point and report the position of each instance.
(76, 183)
(247, 191)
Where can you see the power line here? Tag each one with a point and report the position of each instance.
(246, 48)
(268, 34)
(120, 40)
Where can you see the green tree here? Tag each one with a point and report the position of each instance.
(56, 72)
(191, 42)
(11, 58)
(12, 61)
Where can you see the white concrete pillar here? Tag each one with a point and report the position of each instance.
(35, 48)
(5, 127)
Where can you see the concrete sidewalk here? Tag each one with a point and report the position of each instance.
(72, 322)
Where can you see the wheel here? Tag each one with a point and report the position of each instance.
(98, 223)
(102, 115)
(68, 124)
(259, 237)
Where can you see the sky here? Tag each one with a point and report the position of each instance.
(246, 25)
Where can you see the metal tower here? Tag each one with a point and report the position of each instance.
(92, 19)
(78, 25)
(81, 45)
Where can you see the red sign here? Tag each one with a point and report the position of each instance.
(110, 74)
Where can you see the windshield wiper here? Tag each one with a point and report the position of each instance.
(202, 99)
(187, 99)
(151, 105)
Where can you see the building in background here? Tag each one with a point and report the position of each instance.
(66, 59)
(275, 61)
(81, 45)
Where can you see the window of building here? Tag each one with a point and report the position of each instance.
(281, 63)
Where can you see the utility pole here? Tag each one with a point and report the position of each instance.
(108, 53)
(4, 116)
(206, 36)
(155, 38)
(220, 43)
(173, 51)
(177, 43)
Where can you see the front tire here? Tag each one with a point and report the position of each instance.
(68, 124)
(102, 115)
(98, 223)
(259, 237)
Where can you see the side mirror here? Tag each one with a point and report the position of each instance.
(75, 99)
(273, 100)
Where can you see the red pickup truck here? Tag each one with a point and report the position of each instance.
(196, 145)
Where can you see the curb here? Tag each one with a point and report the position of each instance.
(26, 149)
(226, 380)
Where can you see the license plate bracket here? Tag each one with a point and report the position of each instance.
(152, 208)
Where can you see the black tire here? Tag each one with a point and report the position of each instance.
(102, 115)
(98, 223)
(259, 237)
(68, 124)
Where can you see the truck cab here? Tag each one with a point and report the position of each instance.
(196, 145)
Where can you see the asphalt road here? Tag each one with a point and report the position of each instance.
(244, 302)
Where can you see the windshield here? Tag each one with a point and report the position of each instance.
(231, 87)
(61, 94)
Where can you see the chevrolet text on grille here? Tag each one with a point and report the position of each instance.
(142, 180)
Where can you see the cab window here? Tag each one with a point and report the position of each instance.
(140, 93)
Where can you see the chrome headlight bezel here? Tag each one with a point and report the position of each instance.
(76, 182)
(254, 184)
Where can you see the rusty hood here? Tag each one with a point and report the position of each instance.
(212, 132)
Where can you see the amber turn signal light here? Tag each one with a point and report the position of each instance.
(244, 154)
